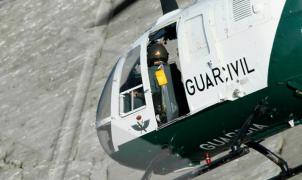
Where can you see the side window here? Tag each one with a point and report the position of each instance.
(196, 37)
(131, 87)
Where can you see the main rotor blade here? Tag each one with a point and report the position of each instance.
(122, 7)
(106, 17)
(168, 5)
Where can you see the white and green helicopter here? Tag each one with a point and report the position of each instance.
(233, 78)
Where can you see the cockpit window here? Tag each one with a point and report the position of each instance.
(131, 88)
(103, 124)
(104, 106)
(131, 75)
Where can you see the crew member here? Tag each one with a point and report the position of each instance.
(164, 100)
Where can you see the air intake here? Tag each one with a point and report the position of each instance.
(241, 9)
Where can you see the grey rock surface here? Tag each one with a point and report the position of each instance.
(54, 60)
(45, 48)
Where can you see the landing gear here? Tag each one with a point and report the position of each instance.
(216, 163)
(238, 151)
(285, 171)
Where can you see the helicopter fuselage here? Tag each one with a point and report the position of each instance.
(247, 55)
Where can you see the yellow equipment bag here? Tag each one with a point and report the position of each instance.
(161, 77)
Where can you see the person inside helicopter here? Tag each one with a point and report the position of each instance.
(169, 99)
(162, 89)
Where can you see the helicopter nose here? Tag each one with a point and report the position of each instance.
(103, 116)
(105, 136)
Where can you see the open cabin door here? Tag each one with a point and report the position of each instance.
(135, 113)
(168, 94)
(202, 79)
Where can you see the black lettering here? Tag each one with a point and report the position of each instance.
(209, 82)
(230, 72)
(216, 75)
(190, 91)
(235, 68)
(203, 86)
(247, 68)
(242, 67)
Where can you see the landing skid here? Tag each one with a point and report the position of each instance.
(294, 171)
(216, 163)
(285, 173)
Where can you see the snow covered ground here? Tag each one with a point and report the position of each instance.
(54, 60)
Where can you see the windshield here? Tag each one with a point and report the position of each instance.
(103, 116)
(131, 75)
(104, 106)
(131, 88)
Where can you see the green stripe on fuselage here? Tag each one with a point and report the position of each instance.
(286, 56)
(186, 136)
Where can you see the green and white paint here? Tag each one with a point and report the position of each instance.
(234, 55)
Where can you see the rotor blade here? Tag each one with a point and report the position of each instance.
(106, 17)
(122, 7)
(168, 5)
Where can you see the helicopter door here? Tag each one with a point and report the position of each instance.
(135, 117)
(198, 61)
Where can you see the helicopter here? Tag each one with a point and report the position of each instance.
(232, 79)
